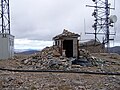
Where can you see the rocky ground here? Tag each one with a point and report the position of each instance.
(57, 81)
(50, 59)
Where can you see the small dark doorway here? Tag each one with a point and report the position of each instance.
(68, 46)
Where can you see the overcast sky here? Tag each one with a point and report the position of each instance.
(35, 22)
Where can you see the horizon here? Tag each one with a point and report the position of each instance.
(39, 44)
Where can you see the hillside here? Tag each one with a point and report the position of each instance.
(26, 51)
(50, 59)
(115, 49)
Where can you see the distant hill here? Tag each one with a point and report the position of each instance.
(26, 51)
(115, 49)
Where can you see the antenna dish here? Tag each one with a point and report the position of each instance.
(113, 18)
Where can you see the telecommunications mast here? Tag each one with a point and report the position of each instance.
(103, 21)
(4, 17)
(6, 39)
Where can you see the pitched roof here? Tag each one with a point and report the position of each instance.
(66, 33)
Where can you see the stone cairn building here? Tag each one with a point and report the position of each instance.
(67, 43)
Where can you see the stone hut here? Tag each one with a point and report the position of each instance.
(67, 43)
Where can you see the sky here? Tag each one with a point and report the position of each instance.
(35, 22)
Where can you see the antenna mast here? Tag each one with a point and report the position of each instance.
(4, 17)
(6, 39)
(102, 21)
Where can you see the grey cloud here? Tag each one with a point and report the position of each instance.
(43, 19)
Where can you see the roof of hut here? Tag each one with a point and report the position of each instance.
(66, 33)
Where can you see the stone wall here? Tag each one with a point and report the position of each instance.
(93, 47)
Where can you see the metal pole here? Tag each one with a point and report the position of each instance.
(5, 17)
(96, 24)
(107, 23)
(8, 17)
(2, 12)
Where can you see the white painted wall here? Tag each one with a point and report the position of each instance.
(6, 46)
